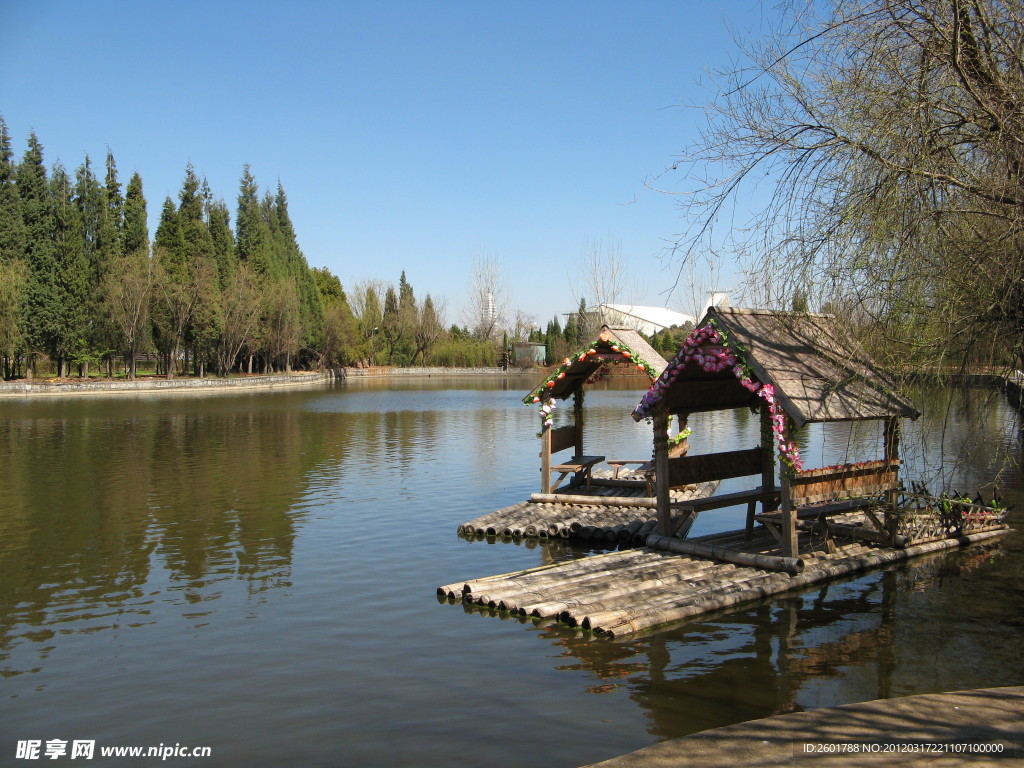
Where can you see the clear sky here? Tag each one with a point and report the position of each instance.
(407, 135)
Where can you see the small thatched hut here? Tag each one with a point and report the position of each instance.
(611, 347)
(793, 368)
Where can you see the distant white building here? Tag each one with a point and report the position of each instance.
(646, 320)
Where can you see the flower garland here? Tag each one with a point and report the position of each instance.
(723, 357)
(604, 341)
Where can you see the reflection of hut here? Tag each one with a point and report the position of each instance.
(793, 368)
(611, 347)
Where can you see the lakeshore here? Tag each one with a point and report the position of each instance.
(195, 385)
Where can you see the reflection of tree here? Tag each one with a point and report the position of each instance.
(967, 438)
(105, 503)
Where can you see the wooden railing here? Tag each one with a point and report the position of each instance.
(847, 481)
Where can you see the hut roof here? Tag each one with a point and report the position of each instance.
(819, 372)
(611, 345)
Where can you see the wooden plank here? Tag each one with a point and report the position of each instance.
(562, 438)
(729, 499)
(662, 489)
(687, 470)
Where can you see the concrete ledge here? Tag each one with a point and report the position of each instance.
(70, 387)
(383, 371)
(980, 727)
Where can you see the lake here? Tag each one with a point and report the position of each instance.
(256, 572)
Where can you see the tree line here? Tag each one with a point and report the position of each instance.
(84, 286)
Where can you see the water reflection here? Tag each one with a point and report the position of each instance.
(852, 640)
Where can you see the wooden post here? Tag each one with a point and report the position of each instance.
(661, 480)
(767, 466)
(891, 447)
(577, 413)
(545, 460)
(789, 545)
(789, 540)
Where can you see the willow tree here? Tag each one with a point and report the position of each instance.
(882, 145)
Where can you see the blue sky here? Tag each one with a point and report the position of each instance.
(407, 135)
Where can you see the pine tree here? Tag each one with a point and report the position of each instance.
(12, 251)
(12, 228)
(130, 282)
(252, 233)
(294, 266)
(391, 325)
(71, 283)
(100, 245)
(111, 240)
(135, 232)
(429, 329)
(408, 319)
(42, 309)
(223, 240)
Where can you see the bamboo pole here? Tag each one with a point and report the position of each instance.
(606, 501)
(768, 562)
(841, 568)
(855, 532)
(668, 608)
(631, 582)
(635, 568)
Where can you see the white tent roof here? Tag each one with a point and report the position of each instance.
(647, 320)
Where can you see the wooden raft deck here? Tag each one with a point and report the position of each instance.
(621, 593)
(615, 512)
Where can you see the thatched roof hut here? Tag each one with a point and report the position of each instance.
(611, 347)
(818, 371)
(794, 368)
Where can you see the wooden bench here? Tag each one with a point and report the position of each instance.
(692, 470)
(644, 466)
(580, 466)
(773, 520)
(769, 496)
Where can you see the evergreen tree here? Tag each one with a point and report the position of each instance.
(12, 228)
(172, 308)
(100, 244)
(12, 251)
(69, 342)
(223, 240)
(42, 309)
(115, 200)
(429, 330)
(293, 264)
(252, 233)
(408, 319)
(391, 325)
(135, 231)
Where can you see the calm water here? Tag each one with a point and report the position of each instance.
(256, 573)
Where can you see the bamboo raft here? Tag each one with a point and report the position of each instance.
(609, 512)
(622, 593)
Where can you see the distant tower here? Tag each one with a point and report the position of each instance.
(489, 312)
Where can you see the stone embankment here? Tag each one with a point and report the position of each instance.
(383, 371)
(50, 387)
(59, 387)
